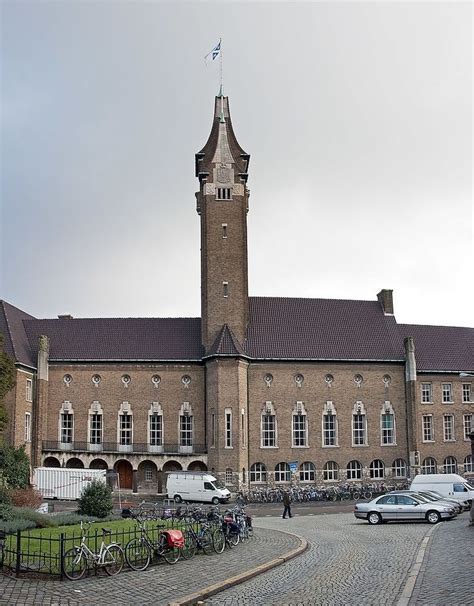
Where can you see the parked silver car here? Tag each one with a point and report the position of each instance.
(401, 507)
(428, 495)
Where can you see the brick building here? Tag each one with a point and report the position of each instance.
(254, 387)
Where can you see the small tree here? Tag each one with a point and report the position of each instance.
(96, 500)
(15, 467)
(7, 382)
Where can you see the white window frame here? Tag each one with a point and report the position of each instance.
(329, 434)
(266, 433)
(448, 428)
(452, 466)
(331, 471)
(224, 230)
(66, 410)
(307, 472)
(359, 411)
(29, 390)
(225, 290)
(228, 434)
(354, 470)
(155, 434)
(258, 470)
(377, 472)
(424, 428)
(467, 393)
(399, 468)
(95, 440)
(299, 426)
(467, 426)
(27, 426)
(447, 393)
(186, 428)
(468, 464)
(282, 473)
(426, 393)
(387, 411)
(433, 465)
(229, 476)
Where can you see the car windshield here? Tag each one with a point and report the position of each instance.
(430, 497)
(218, 484)
(419, 497)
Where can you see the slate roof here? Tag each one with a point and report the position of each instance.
(279, 329)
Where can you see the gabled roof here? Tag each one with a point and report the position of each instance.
(441, 348)
(226, 344)
(321, 329)
(15, 342)
(127, 339)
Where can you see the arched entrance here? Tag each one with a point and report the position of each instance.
(98, 464)
(197, 466)
(75, 463)
(125, 472)
(168, 466)
(148, 476)
(51, 462)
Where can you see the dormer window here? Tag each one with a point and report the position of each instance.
(224, 193)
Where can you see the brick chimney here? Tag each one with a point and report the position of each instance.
(385, 298)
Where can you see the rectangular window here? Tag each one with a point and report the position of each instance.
(268, 431)
(225, 288)
(125, 435)
(95, 434)
(148, 474)
(67, 424)
(428, 434)
(299, 430)
(224, 230)
(224, 193)
(27, 427)
(242, 428)
(329, 430)
(358, 430)
(447, 390)
(467, 426)
(29, 390)
(448, 428)
(466, 392)
(426, 393)
(228, 429)
(156, 429)
(213, 430)
(388, 429)
(185, 430)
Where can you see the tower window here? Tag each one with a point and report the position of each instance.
(224, 193)
(224, 230)
(225, 288)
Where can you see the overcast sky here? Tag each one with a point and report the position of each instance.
(357, 116)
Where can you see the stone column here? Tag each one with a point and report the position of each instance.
(410, 402)
(135, 481)
(40, 401)
(471, 437)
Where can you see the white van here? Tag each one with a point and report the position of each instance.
(195, 486)
(448, 484)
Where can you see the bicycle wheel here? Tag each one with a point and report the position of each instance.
(367, 494)
(113, 560)
(138, 554)
(190, 546)
(356, 496)
(218, 540)
(74, 564)
(205, 538)
(234, 538)
(171, 554)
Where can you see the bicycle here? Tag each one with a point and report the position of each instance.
(140, 550)
(77, 559)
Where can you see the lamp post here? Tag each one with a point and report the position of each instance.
(471, 437)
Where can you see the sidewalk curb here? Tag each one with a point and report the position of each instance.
(210, 590)
(414, 571)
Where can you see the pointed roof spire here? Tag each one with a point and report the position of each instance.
(226, 344)
(221, 91)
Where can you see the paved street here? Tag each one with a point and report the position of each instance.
(349, 562)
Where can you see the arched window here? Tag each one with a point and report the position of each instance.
(468, 464)
(329, 429)
(429, 465)
(331, 471)
(377, 469)
(450, 465)
(282, 473)
(258, 473)
(307, 472)
(399, 468)
(354, 470)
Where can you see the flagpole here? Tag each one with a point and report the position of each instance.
(220, 59)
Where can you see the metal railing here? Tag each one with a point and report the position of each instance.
(116, 447)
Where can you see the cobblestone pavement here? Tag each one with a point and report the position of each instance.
(351, 563)
(447, 573)
(158, 585)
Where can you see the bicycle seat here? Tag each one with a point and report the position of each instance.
(106, 530)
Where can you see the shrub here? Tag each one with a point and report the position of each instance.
(96, 500)
(15, 467)
(26, 497)
(5, 497)
(6, 512)
(41, 520)
(16, 524)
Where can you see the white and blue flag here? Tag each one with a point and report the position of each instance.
(214, 53)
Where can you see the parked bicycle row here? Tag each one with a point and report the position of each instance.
(163, 533)
(301, 494)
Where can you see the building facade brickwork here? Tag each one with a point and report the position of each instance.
(254, 389)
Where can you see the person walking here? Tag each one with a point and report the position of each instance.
(287, 504)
